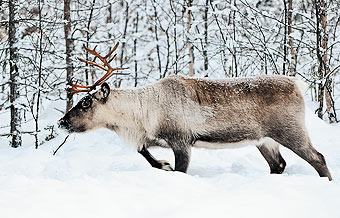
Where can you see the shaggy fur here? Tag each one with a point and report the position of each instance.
(181, 113)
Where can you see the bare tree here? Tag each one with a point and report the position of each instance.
(285, 46)
(135, 51)
(234, 61)
(157, 39)
(189, 43)
(205, 46)
(292, 55)
(289, 56)
(124, 34)
(88, 37)
(324, 87)
(14, 75)
(68, 48)
(174, 11)
(36, 117)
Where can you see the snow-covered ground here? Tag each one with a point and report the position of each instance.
(94, 175)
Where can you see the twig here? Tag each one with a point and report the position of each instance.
(61, 145)
(24, 132)
(333, 71)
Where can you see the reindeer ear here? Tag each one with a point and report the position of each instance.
(104, 91)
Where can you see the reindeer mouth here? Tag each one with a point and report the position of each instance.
(65, 125)
(69, 131)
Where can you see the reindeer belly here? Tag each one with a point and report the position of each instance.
(221, 145)
(229, 139)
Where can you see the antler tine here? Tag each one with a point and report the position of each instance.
(109, 69)
(93, 63)
(95, 53)
(101, 58)
(91, 51)
(108, 75)
(74, 89)
(105, 66)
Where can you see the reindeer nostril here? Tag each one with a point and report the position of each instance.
(60, 123)
(63, 123)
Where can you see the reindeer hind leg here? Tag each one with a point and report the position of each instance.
(297, 140)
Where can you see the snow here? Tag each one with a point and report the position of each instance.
(95, 175)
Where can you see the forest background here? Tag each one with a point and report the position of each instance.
(41, 40)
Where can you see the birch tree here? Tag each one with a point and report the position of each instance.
(324, 87)
(68, 48)
(14, 75)
(189, 43)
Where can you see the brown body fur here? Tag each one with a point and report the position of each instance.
(244, 107)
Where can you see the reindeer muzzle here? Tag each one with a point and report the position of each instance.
(65, 124)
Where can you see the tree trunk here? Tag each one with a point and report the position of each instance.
(173, 9)
(285, 47)
(205, 53)
(224, 44)
(68, 49)
(189, 43)
(36, 118)
(329, 101)
(124, 34)
(167, 52)
(14, 76)
(88, 36)
(324, 92)
(234, 61)
(292, 55)
(135, 51)
(157, 41)
(318, 53)
(327, 82)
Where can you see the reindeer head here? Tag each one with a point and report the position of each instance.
(88, 112)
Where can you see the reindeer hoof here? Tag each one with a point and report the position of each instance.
(165, 165)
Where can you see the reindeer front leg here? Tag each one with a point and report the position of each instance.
(159, 164)
(182, 156)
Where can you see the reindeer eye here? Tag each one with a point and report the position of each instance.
(86, 103)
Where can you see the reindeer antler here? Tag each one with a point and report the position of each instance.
(106, 66)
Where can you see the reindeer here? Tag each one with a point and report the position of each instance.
(180, 113)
